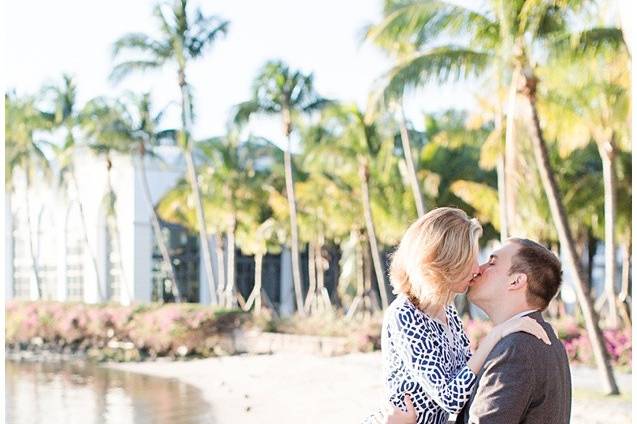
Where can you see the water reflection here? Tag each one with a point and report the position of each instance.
(84, 393)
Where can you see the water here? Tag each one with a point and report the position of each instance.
(75, 392)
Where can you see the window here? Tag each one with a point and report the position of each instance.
(183, 248)
(21, 257)
(113, 262)
(74, 255)
(47, 250)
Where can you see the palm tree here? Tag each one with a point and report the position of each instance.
(594, 107)
(107, 132)
(436, 40)
(143, 134)
(183, 39)
(529, 85)
(440, 40)
(320, 221)
(278, 90)
(66, 116)
(236, 166)
(354, 143)
(24, 154)
(375, 104)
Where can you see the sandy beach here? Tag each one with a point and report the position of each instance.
(302, 388)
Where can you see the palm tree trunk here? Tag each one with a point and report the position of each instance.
(194, 182)
(258, 274)
(502, 193)
(510, 157)
(98, 280)
(161, 243)
(113, 222)
(363, 173)
(255, 296)
(201, 222)
(321, 292)
(409, 160)
(558, 213)
(607, 153)
(221, 264)
(591, 248)
(34, 259)
(501, 176)
(623, 294)
(289, 186)
(311, 267)
(230, 285)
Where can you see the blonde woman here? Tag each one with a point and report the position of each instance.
(425, 350)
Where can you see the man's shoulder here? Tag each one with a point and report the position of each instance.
(524, 345)
(518, 343)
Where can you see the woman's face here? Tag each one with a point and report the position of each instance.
(473, 269)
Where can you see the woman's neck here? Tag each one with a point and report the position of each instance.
(435, 311)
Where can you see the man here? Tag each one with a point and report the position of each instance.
(523, 380)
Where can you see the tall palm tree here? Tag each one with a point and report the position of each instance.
(183, 38)
(65, 115)
(590, 39)
(144, 134)
(281, 91)
(24, 154)
(436, 40)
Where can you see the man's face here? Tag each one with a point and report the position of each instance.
(494, 279)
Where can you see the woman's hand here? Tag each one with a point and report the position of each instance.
(524, 324)
(397, 416)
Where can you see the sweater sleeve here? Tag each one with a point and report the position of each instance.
(421, 351)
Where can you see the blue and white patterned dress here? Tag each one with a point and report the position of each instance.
(423, 357)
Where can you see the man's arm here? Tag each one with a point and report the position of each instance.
(505, 388)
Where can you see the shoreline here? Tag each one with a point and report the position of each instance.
(290, 388)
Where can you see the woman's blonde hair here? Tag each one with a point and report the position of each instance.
(434, 252)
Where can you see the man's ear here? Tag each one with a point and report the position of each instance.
(518, 281)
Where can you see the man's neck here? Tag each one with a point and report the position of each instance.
(499, 313)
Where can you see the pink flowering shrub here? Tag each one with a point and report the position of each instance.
(153, 330)
(575, 340)
(578, 346)
(117, 332)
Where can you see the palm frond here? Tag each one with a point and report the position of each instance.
(413, 24)
(243, 111)
(209, 30)
(589, 42)
(140, 43)
(439, 65)
(124, 69)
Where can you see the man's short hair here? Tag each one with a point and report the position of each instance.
(542, 268)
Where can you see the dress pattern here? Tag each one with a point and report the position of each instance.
(426, 359)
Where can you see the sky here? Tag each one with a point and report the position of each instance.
(43, 39)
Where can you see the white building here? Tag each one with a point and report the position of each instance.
(123, 272)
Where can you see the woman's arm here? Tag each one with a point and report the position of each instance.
(420, 348)
(525, 324)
